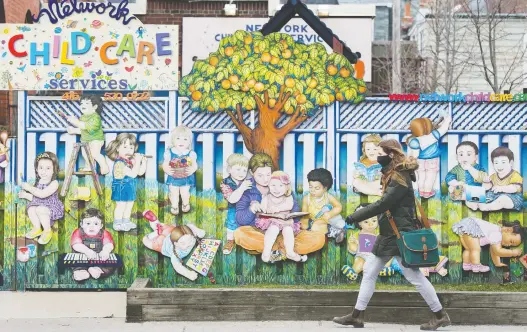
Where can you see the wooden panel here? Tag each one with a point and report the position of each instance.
(279, 297)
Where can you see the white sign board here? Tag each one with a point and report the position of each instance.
(202, 35)
(88, 51)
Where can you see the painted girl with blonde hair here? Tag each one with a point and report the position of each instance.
(128, 165)
(278, 201)
(180, 164)
(425, 139)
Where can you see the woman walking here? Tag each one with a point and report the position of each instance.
(398, 172)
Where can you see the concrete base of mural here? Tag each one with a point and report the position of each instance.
(56, 305)
(193, 304)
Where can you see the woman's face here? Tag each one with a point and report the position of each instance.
(262, 176)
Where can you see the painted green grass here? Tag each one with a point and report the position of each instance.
(239, 269)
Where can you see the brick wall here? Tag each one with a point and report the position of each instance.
(15, 12)
(172, 12)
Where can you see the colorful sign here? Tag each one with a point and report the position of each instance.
(88, 52)
(203, 255)
(202, 35)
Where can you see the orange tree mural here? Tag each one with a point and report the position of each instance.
(273, 75)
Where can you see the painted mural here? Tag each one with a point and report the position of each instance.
(247, 177)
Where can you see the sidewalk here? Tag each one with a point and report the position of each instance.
(118, 324)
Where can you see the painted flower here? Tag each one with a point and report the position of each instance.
(58, 76)
(78, 72)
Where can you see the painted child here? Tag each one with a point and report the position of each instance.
(323, 206)
(127, 166)
(44, 207)
(367, 236)
(279, 200)
(92, 240)
(4, 162)
(180, 165)
(367, 173)
(232, 188)
(425, 139)
(467, 171)
(89, 126)
(175, 242)
(475, 233)
(505, 187)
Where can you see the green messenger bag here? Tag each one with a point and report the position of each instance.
(419, 248)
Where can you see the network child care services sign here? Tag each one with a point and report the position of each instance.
(202, 35)
(88, 46)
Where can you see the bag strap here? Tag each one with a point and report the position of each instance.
(392, 223)
(424, 217)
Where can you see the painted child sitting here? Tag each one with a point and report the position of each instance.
(475, 233)
(467, 172)
(363, 246)
(232, 188)
(323, 206)
(92, 240)
(175, 242)
(505, 187)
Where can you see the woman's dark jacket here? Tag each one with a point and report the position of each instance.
(400, 201)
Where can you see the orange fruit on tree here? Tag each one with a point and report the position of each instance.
(340, 97)
(225, 84)
(213, 61)
(234, 79)
(196, 95)
(290, 110)
(192, 88)
(313, 83)
(259, 87)
(222, 105)
(284, 43)
(332, 70)
(229, 51)
(331, 98)
(245, 87)
(274, 60)
(256, 49)
(210, 108)
(287, 54)
(251, 83)
(362, 89)
(272, 102)
(301, 99)
(289, 82)
(248, 39)
(344, 72)
(266, 57)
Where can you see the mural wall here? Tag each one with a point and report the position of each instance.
(211, 242)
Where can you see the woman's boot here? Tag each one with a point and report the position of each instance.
(356, 318)
(440, 319)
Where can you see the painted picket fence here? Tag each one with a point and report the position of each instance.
(331, 139)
